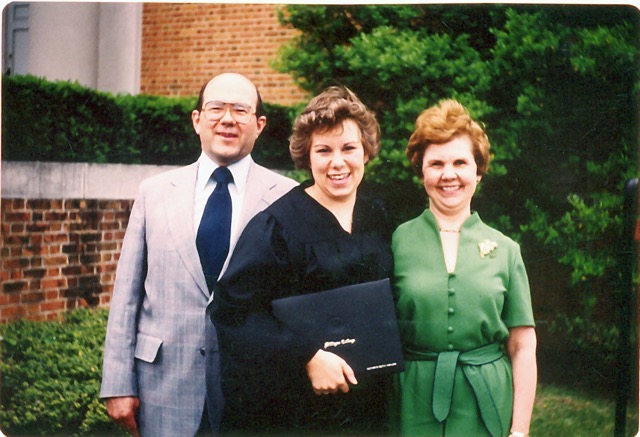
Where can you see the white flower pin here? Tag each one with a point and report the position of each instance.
(487, 247)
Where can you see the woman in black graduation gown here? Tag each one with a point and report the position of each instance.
(321, 235)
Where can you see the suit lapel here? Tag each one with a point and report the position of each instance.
(178, 205)
(263, 188)
(259, 185)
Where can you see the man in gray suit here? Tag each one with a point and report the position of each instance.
(161, 363)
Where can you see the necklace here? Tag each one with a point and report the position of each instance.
(453, 231)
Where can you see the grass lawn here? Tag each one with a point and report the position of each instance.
(567, 412)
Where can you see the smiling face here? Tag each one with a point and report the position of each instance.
(226, 141)
(337, 161)
(450, 177)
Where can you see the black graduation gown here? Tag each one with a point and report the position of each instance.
(294, 247)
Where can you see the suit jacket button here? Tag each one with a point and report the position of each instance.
(202, 351)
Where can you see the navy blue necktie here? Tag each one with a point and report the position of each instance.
(214, 232)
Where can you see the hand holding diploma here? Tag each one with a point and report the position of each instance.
(329, 373)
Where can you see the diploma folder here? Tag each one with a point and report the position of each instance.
(356, 322)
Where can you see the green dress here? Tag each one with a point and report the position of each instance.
(456, 323)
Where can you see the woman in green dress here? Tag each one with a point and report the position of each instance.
(462, 294)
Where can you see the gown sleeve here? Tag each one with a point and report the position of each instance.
(262, 268)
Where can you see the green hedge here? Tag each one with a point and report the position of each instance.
(51, 373)
(66, 122)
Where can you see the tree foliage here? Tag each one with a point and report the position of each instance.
(555, 86)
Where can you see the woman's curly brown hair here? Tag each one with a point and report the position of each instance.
(326, 111)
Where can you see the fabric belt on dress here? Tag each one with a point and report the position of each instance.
(446, 363)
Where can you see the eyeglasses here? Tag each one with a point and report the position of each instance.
(215, 111)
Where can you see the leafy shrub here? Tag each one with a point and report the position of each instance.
(584, 353)
(583, 335)
(51, 374)
(66, 122)
(272, 147)
(163, 133)
(61, 121)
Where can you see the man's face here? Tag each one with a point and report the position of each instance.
(226, 141)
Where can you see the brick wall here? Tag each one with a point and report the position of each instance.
(185, 44)
(62, 231)
(59, 254)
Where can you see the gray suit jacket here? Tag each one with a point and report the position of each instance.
(160, 343)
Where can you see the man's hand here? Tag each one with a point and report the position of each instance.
(123, 410)
(329, 373)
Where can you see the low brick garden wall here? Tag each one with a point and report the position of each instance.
(62, 233)
(59, 254)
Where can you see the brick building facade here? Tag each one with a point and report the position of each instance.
(184, 44)
(166, 49)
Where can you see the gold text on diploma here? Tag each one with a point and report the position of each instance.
(338, 343)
